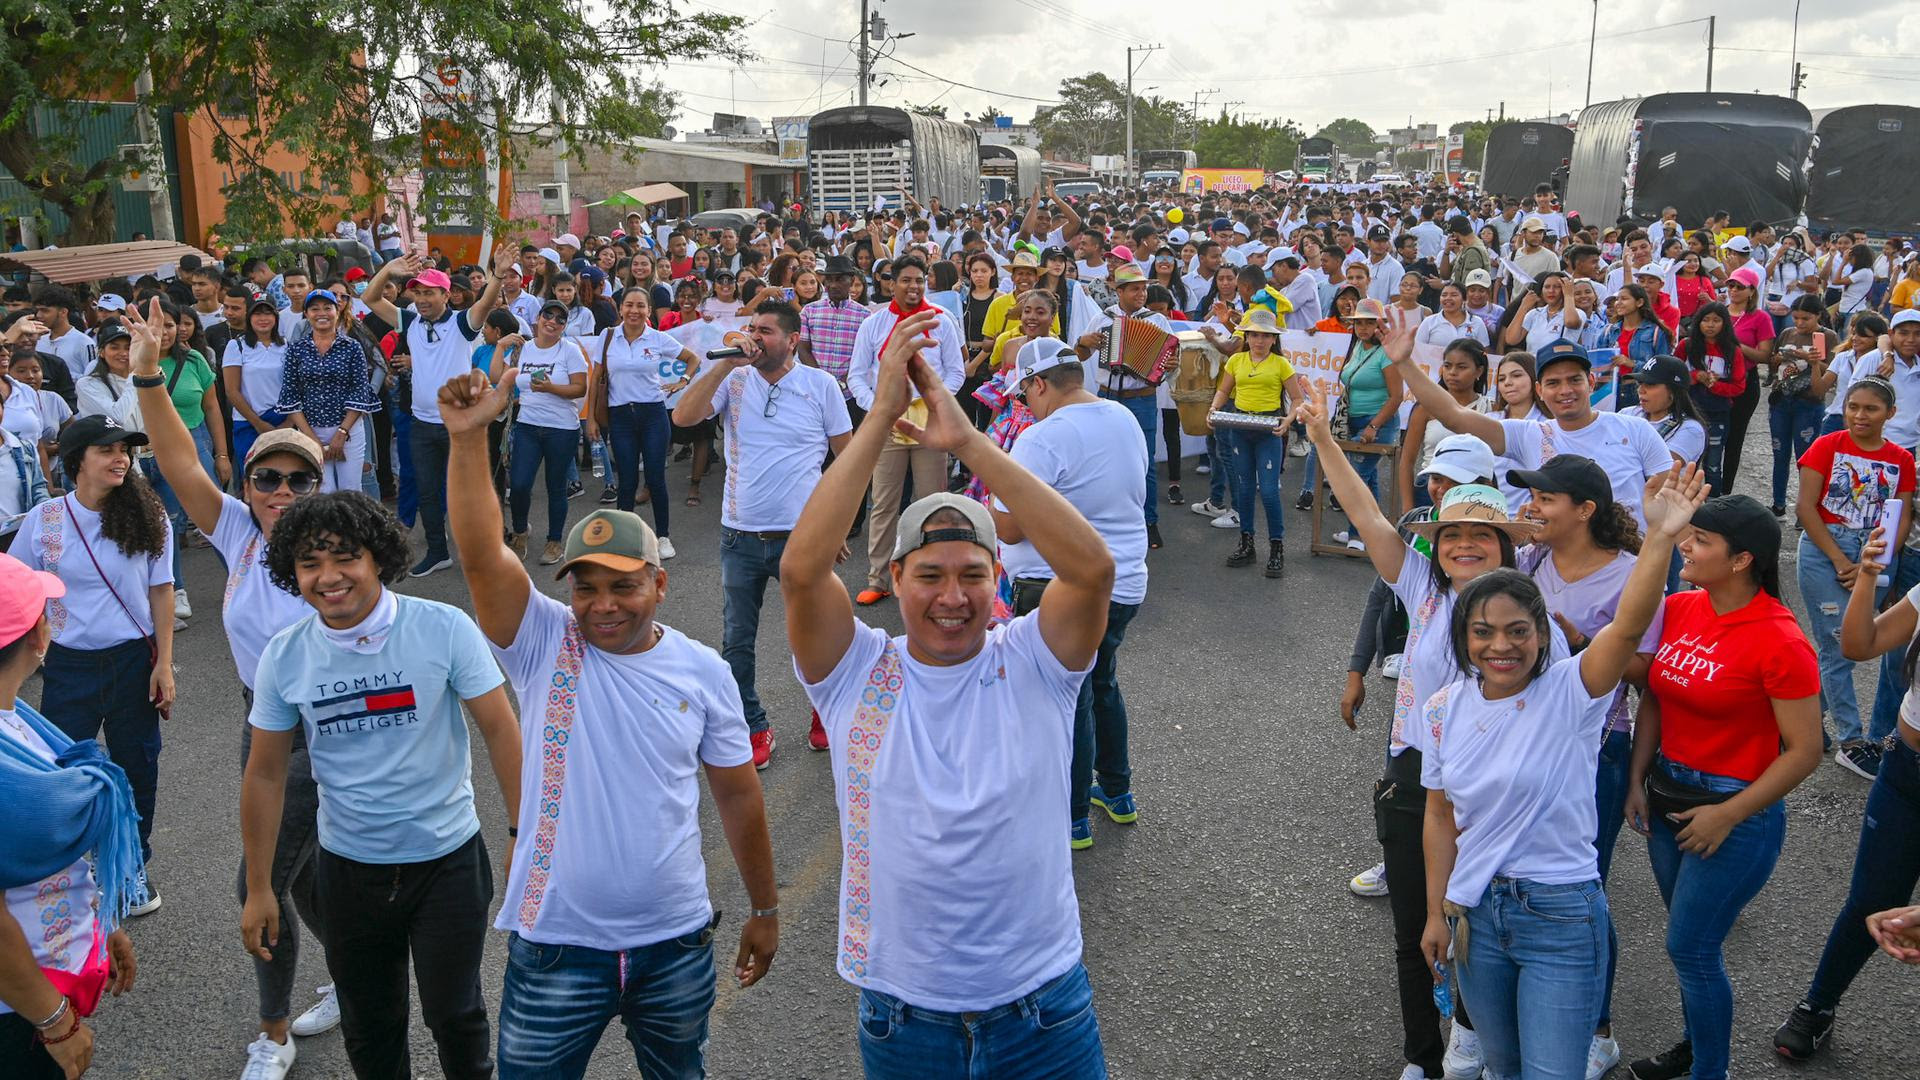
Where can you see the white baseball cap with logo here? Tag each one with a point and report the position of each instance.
(1042, 355)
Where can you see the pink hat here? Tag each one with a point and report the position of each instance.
(432, 279)
(24, 593)
(1747, 276)
(1121, 252)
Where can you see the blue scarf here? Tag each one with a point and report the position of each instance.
(52, 814)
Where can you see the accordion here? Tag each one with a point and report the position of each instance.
(1139, 347)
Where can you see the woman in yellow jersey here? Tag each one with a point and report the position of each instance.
(1261, 382)
(1003, 313)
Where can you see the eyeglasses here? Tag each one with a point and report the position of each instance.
(553, 316)
(300, 482)
(773, 402)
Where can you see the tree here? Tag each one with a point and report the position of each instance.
(1473, 143)
(939, 111)
(1092, 119)
(1228, 143)
(339, 83)
(1353, 137)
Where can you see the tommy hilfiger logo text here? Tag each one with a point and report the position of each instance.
(364, 704)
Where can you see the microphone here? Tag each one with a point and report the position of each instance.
(727, 353)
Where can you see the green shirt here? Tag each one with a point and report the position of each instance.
(190, 390)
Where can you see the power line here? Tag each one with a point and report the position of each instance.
(1810, 52)
(969, 86)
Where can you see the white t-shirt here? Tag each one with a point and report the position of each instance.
(15, 487)
(1545, 327)
(1688, 439)
(1436, 330)
(1520, 773)
(210, 319)
(636, 368)
(1854, 286)
(613, 750)
(22, 413)
(59, 912)
(773, 461)
(88, 617)
(1910, 702)
(263, 368)
(440, 351)
(1626, 447)
(253, 608)
(74, 347)
(1842, 369)
(54, 413)
(560, 362)
(956, 891)
(1589, 604)
(110, 395)
(1094, 455)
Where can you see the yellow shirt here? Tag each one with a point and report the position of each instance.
(1903, 293)
(1002, 314)
(1259, 387)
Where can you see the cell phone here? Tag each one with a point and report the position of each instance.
(1890, 529)
(540, 376)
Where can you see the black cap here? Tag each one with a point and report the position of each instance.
(1582, 478)
(112, 330)
(840, 264)
(1743, 520)
(1670, 370)
(97, 430)
(1379, 232)
(554, 305)
(1558, 351)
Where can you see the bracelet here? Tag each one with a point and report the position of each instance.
(764, 913)
(71, 1032)
(59, 1012)
(148, 382)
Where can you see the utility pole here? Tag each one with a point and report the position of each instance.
(1711, 19)
(1145, 50)
(1799, 79)
(1197, 95)
(1793, 57)
(866, 64)
(159, 201)
(1593, 38)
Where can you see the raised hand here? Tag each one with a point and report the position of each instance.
(469, 402)
(947, 427)
(1398, 339)
(1316, 414)
(144, 349)
(1669, 508)
(892, 387)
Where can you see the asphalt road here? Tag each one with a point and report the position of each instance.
(1220, 935)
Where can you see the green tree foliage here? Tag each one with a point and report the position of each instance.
(1473, 145)
(1092, 119)
(937, 111)
(1353, 137)
(1226, 143)
(337, 83)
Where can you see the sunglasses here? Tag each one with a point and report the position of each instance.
(554, 316)
(300, 482)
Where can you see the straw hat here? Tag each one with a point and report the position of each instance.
(1259, 320)
(1476, 504)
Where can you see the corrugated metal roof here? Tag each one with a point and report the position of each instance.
(97, 261)
(711, 153)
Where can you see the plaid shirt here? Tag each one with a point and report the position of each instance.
(830, 329)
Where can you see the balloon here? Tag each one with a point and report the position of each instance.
(1176, 215)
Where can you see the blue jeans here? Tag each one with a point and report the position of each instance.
(1886, 867)
(747, 562)
(642, 432)
(1258, 460)
(86, 691)
(1217, 460)
(150, 467)
(1826, 602)
(244, 437)
(1534, 974)
(1050, 1034)
(1831, 423)
(1703, 897)
(1147, 411)
(1100, 720)
(558, 1000)
(1367, 465)
(1893, 684)
(406, 491)
(534, 446)
(1610, 797)
(1794, 423)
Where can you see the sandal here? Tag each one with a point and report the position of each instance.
(693, 498)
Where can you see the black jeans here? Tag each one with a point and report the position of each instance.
(83, 691)
(1399, 817)
(1743, 407)
(372, 918)
(430, 452)
(292, 873)
(21, 1055)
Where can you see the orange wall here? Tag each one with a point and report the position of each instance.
(202, 205)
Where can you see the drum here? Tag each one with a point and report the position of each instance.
(1195, 381)
(1140, 347)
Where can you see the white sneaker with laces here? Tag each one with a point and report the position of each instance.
(1228, 520)
(181, 606)
(666, 549)
(1390, 667)
(1414, 1072)
(1602, 1054)
(1370, 882)
(323, 1017)
(1206, 508)
(1298, 449)
(268, 1060)
(1464, 1059)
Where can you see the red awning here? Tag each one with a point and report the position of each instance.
(94, 262)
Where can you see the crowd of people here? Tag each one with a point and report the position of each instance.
(1552, 523)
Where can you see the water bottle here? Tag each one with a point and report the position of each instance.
(1443, 993)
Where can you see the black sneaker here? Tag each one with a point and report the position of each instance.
(1174, 497)
(575, 489)
(1671, 1065)
(431, 563)
(1304, 502)
(608, 497)
(148, 900)
(1153, 538)
(1805, 1032)
(1859, 758)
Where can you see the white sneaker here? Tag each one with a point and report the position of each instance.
(268, 1060)
(322, 1018)
(1206, 508)
(1354, 543)
(1203, 468)
(1413, 1072)
(1370, 882)
(666, 549)
(1390, 667)
(1342, 536)
(1464, 1059)
(181, 606)
(1298, 449)
(1228, 520)
(1602, 1054)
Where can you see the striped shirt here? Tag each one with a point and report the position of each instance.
(830, 329)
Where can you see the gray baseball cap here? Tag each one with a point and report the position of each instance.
(914, 534)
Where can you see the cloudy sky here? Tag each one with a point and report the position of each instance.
(1383, 61)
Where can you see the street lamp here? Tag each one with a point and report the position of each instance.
(1593, 38)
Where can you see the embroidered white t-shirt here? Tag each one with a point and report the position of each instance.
(57, 913)
(89, 617)
(608, 855)
(263, 370)
(956, 890)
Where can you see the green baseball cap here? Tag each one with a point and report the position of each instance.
(617, 539)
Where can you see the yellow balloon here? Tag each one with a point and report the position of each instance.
(1176, 215)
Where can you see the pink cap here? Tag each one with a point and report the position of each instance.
(1747, 276)
(1121, 252)
(24, 593)
(432, 279)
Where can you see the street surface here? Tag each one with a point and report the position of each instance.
(1220, 935)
